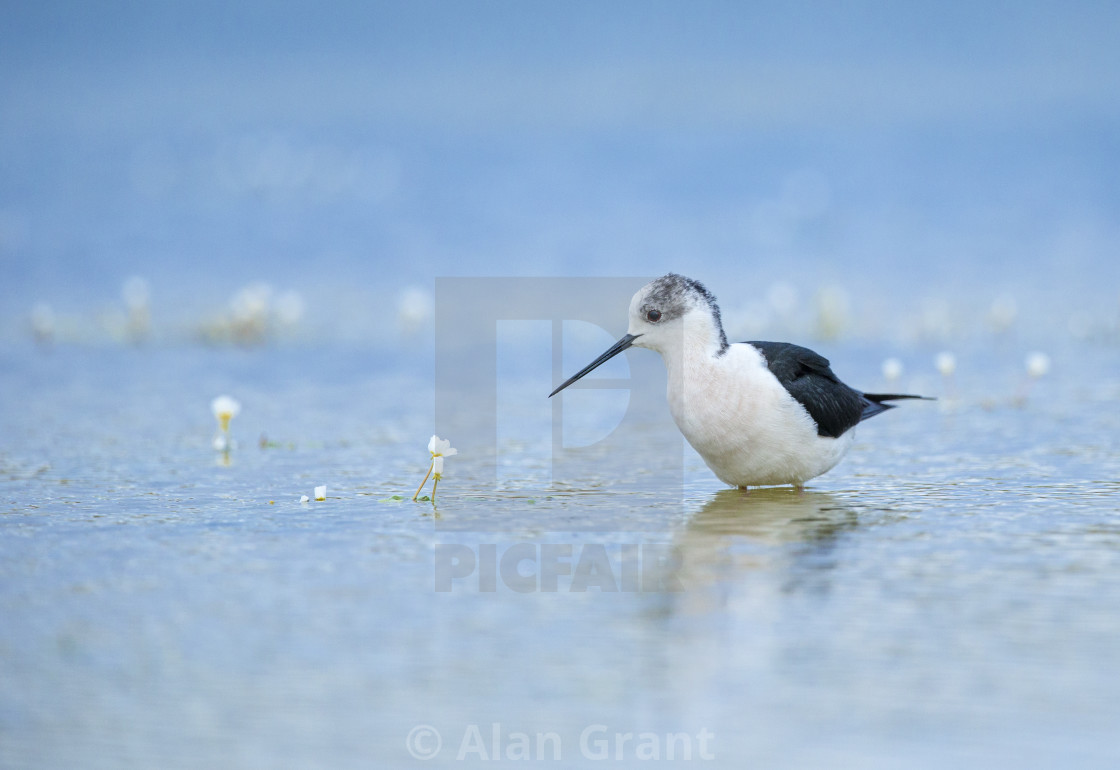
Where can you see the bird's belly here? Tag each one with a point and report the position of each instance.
(768, 440)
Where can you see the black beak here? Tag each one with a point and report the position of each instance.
(612, 351)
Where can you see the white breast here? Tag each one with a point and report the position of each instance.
(745, 425)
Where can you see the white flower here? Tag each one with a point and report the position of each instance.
(892, 369)
(414, 308)
(225, 408)
(321, 492)
(946, 363)
(304, 499)
(441, 447)
(1038, 364)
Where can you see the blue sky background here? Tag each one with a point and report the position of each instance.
(348, 150)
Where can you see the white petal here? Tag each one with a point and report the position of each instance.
(433, 442)
(321, 492)
(225, 405)
(450, 451)
(437, 465)
(304, 499)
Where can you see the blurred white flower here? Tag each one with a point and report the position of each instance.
(1038, 364)
(1003, 312)
(304, 499)
(248, 314)
(251, 301)
(414, 308)
(946, 363)
(225, 408)
(321, 492)
(892, 369)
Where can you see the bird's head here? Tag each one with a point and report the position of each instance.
(666, 315)
(673, 311)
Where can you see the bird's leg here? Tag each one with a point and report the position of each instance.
(744, 489)
(799, 488)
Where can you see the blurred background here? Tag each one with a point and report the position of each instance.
(242, 172)
(255, 199)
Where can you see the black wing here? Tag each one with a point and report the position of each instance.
(807, 376)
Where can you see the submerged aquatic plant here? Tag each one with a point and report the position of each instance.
(439, 449)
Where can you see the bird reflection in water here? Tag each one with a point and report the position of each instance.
(735, 535)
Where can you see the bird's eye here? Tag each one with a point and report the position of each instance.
(653, 316)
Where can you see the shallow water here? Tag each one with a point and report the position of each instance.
(948, 594)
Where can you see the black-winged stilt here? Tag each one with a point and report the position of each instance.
(759, 413)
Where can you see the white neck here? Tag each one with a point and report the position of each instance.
(696, 346)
